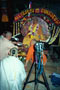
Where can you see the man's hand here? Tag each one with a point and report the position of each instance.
(26, 64)
(25, 67)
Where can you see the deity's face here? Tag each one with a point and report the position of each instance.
(35, 21)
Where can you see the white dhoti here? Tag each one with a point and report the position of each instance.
(12, 73)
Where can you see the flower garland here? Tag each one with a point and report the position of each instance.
(54, 38)
(33, 30)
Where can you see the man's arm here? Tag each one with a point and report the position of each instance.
(11, 45)
(26, 64)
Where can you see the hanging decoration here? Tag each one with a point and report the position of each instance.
(5, 18)
(38, 11)
(53, 38)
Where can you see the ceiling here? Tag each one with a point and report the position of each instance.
(53, 5)
(16, 6)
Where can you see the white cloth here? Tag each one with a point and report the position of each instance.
(5, 46)
(12, 73)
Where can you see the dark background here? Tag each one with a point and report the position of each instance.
(15, 6)
(53, 5)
